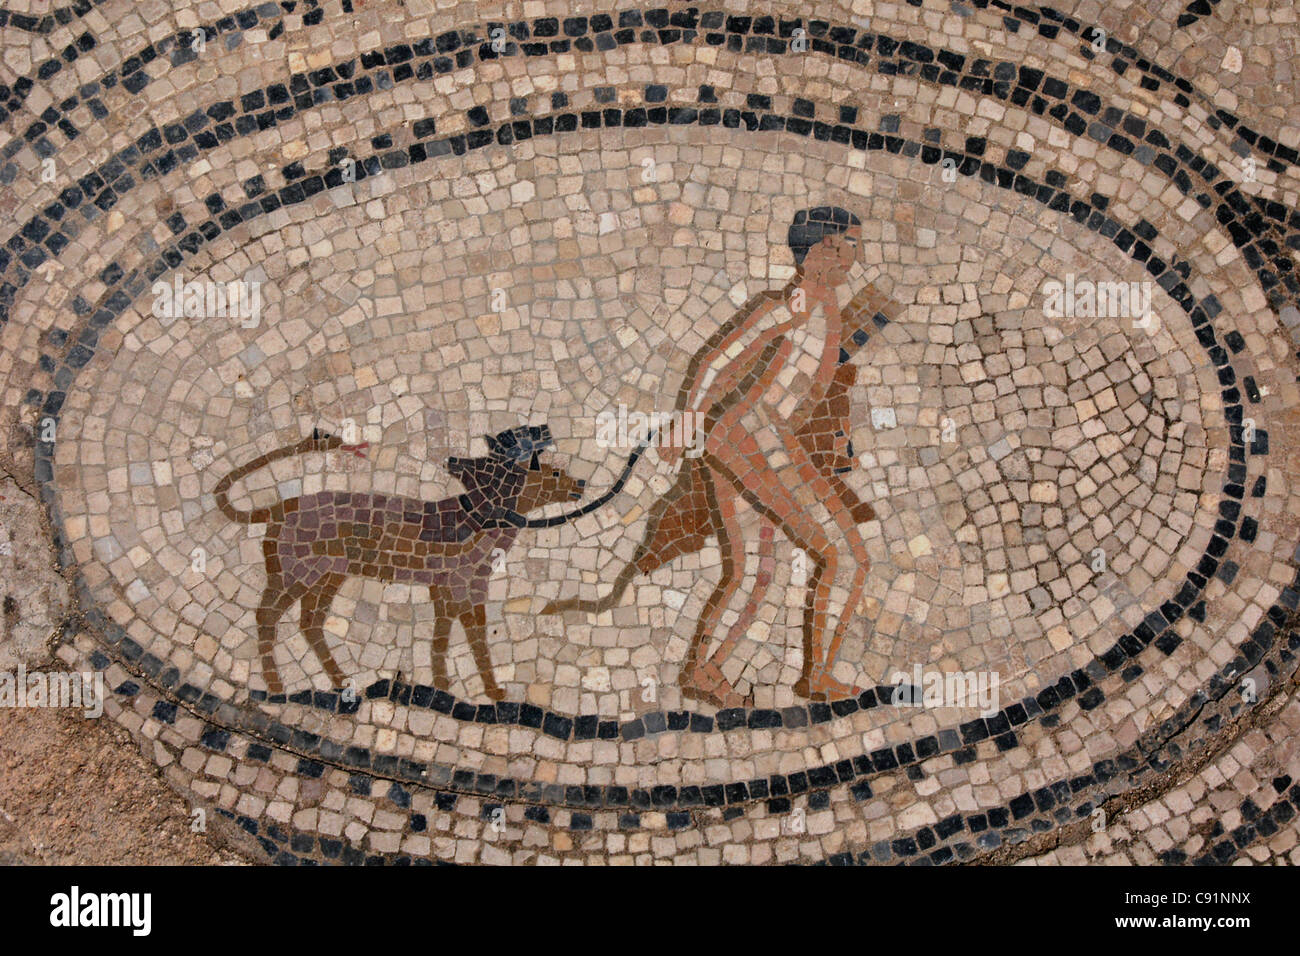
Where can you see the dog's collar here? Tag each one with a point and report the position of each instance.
(494, 516)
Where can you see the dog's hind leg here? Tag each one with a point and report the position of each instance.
(474, 621)
(315, 608)
(275, 601)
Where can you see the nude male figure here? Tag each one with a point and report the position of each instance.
(755, 386)
(781, 345)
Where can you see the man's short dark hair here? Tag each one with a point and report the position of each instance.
(811, 226)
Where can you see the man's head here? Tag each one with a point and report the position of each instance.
(824, 241)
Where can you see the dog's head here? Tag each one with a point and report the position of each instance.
(513, 475)
(521, 443)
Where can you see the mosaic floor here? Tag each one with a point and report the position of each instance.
(848, 432)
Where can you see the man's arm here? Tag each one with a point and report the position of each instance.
(745, 318)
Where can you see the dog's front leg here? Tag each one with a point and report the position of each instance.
(441, 640)
(474, 621)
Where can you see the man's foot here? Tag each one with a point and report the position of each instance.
(704, 682)
(819, 685)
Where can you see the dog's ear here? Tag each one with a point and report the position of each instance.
(536, 463)
(503, 444)
(457, 466)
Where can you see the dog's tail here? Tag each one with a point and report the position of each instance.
(317, 441)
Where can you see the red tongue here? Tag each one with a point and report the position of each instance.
(358, 450)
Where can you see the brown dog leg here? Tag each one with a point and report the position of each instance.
(272, 607)
(474, 621)
(441, 640)
(315, 608)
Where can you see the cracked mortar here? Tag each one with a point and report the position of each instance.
(72, 790)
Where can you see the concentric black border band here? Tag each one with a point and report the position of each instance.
(33, 244)
(1082, 683)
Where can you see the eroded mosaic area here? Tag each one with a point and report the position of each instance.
(852, 432)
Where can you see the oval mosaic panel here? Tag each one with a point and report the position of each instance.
(663, 433)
